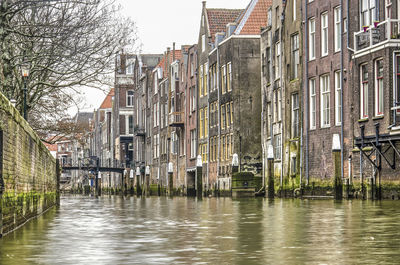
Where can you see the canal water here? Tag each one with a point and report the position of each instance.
(116, 230)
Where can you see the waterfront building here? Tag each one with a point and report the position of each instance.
(281, 49)
(326, 95)
(374, 38)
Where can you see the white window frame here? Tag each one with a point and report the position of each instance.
(364, 87)
(379, 89)
(338, 98)
(313, 104)
(277, 60)
(325, 101)
(367, 13)
(324, 34)
(295, 115)
(311, 27)
(129, 98)
(294, 10)
(338, 28)
(295, 55)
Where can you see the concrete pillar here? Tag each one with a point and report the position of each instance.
(147, 180)
(138, 188)
(170, 178)
(270, 173)
(199, 177)
(337, 163)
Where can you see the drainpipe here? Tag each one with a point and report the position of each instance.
(341, 91)
(307, 98)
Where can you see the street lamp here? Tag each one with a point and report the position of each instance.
(25, 74)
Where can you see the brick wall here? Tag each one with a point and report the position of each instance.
(28, 181)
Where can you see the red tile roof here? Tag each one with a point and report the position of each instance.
(107, 103)
(254, 17)
(218, 19)
(161, 64)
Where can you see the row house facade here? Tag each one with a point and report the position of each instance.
(374, 37)
(281, 52)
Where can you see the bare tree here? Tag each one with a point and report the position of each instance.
(68, 44)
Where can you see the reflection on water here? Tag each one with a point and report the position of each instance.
(114, 230)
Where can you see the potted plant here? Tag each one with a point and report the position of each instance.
(365, 28)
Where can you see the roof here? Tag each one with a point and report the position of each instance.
(254, 17)
(83, 117)
(51, 147)
(107, 103)
(161, 64)
(218, 18)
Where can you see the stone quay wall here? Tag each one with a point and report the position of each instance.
(28, 178)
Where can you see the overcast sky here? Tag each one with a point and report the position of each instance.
(162, 22)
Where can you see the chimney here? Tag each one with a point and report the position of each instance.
(173, 52)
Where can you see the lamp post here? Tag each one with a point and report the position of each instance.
(25, 74)
(199, 177)
(270, 176)
(337, 162)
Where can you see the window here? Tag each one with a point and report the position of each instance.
(201, 123)
(205, 81)
(345, 25)
(223, 113)
(231, 144)
(201, 81)
(277, 147)
(338, 98)
(228, 114)
(229, 83)
(203, 42)
(129, 98)
(211, 143)
(295, 56)
(231, 110)
(277, 60)
(364, 91)
(155, 83)
(215, 77)
(396, 88)
(206, 122)
(338, 29)
(129, 124)
(223, 140)
(367, 13)
(193, 144)
(268, 59)
(223, 79)
(313, 104)
(174, 143)
(129, 68)
(379, 88)
(311, 25)
(295, 115)
(193, 102)
(325, 101)
(324, 34)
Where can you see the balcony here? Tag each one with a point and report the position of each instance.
(138, 131)
(176, 119)
(378, 36)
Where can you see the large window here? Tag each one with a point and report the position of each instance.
(325, 101)
(223, 79)
(367, 12)
(313, 104)
(338, 98)
(129, 98)
(206, 122)
(379, 88)
(324, 34)
(229, 81)
(338, 29)
(277, 147)
(364, 91)
(311, 25)
(193, 144)
(201, 123)
(396, 91)
(205, 81)
(295, 56)
(201, 81)
(295, 115)
(223, 117)
(277, 60)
